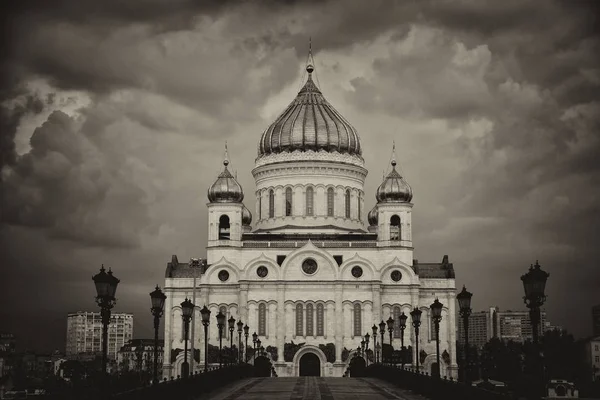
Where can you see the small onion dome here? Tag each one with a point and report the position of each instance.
(225, 189)
(246, 217)
(394, 188)
(310, 123)
(373, 217)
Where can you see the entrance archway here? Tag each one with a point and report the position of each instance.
(357, 366)
(262, 366)
(310, 365)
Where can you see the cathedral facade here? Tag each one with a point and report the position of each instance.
(309, 277)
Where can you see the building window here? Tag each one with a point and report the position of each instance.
(262, 319)
(357, 320)
(395, 228)
(347, 203)
(396, 322)
(597, 358)
(358, 199)
(271, 203)
(224, 228)
(288, 202)
(596, 347)
(299, 320)
(309, 201)
(309, 320)
(320, 322)
(259, 206)
(330, 197)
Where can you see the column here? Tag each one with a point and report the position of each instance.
(376, 293)
(339, 321)
(243, 303)
(168, 330)
(280, 338)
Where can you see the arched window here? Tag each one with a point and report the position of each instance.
(395, 228)
(396, 317)
(299, 320)
(347, 203)
(288, 202)
(320, 322)
(359, 199)
(271, 203)
(224, 228)
(357, 320)
(309, 320)
(223, 310)
(262, 319)
(309, 201)
(330, 202)
(259, 206)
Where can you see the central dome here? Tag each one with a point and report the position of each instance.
(310, 123)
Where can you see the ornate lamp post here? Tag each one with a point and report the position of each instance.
(390, 326)
(231, 322)
(106, 288)
(205, 312)
(367, 337)
(362, 347)
(382, 332)
(187, 309)
(246, 331)
(436, 315)
(220, 325)
(402, 319)
(464, 304)
(374, 329)
(534, 283)
(240, 326)
(254, 340)
(415, 314)
(259, 347)
(158, 304)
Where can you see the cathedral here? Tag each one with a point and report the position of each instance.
(305, 273)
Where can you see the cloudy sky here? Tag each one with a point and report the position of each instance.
(114, 118)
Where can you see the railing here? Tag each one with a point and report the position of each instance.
(180, 389)
(295, 244)
(431, 387)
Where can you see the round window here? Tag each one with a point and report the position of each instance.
(262, 271)
(396, 275)
(357, 271)
(223, 275)
(309, 266)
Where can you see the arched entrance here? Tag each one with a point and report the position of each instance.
(357, 366)
(262, 366)
(310, 365)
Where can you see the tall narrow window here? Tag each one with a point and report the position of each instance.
(357, 320)
(347, 203)
(309, 201)
(262, 319)
(299, 320)
(359, 201)
(288, 202)
(259, 206)
(271, 203)
(309, 320)
(320, 322)
(395, 227)
(223, 310)
(330, 202)
(224, 227)
(397, 322)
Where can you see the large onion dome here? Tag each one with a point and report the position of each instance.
(225, 189)
(394, 188)
(246, 217)
(373, 217)
(310, 123)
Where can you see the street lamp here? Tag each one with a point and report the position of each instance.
(205, 313)
(415, 315)
(240, 326)
(534, 283)
(220, 325)
(158, 304)
(259, 347)
(402, 319)
(464, 304)
(367, 336)
(231, 322)
(382, 331)
(187, 310)
(436, 315)
(246, 331)
(390, 326)
(254, 340)
(106, 288)
(374, 328)
(362, 347)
